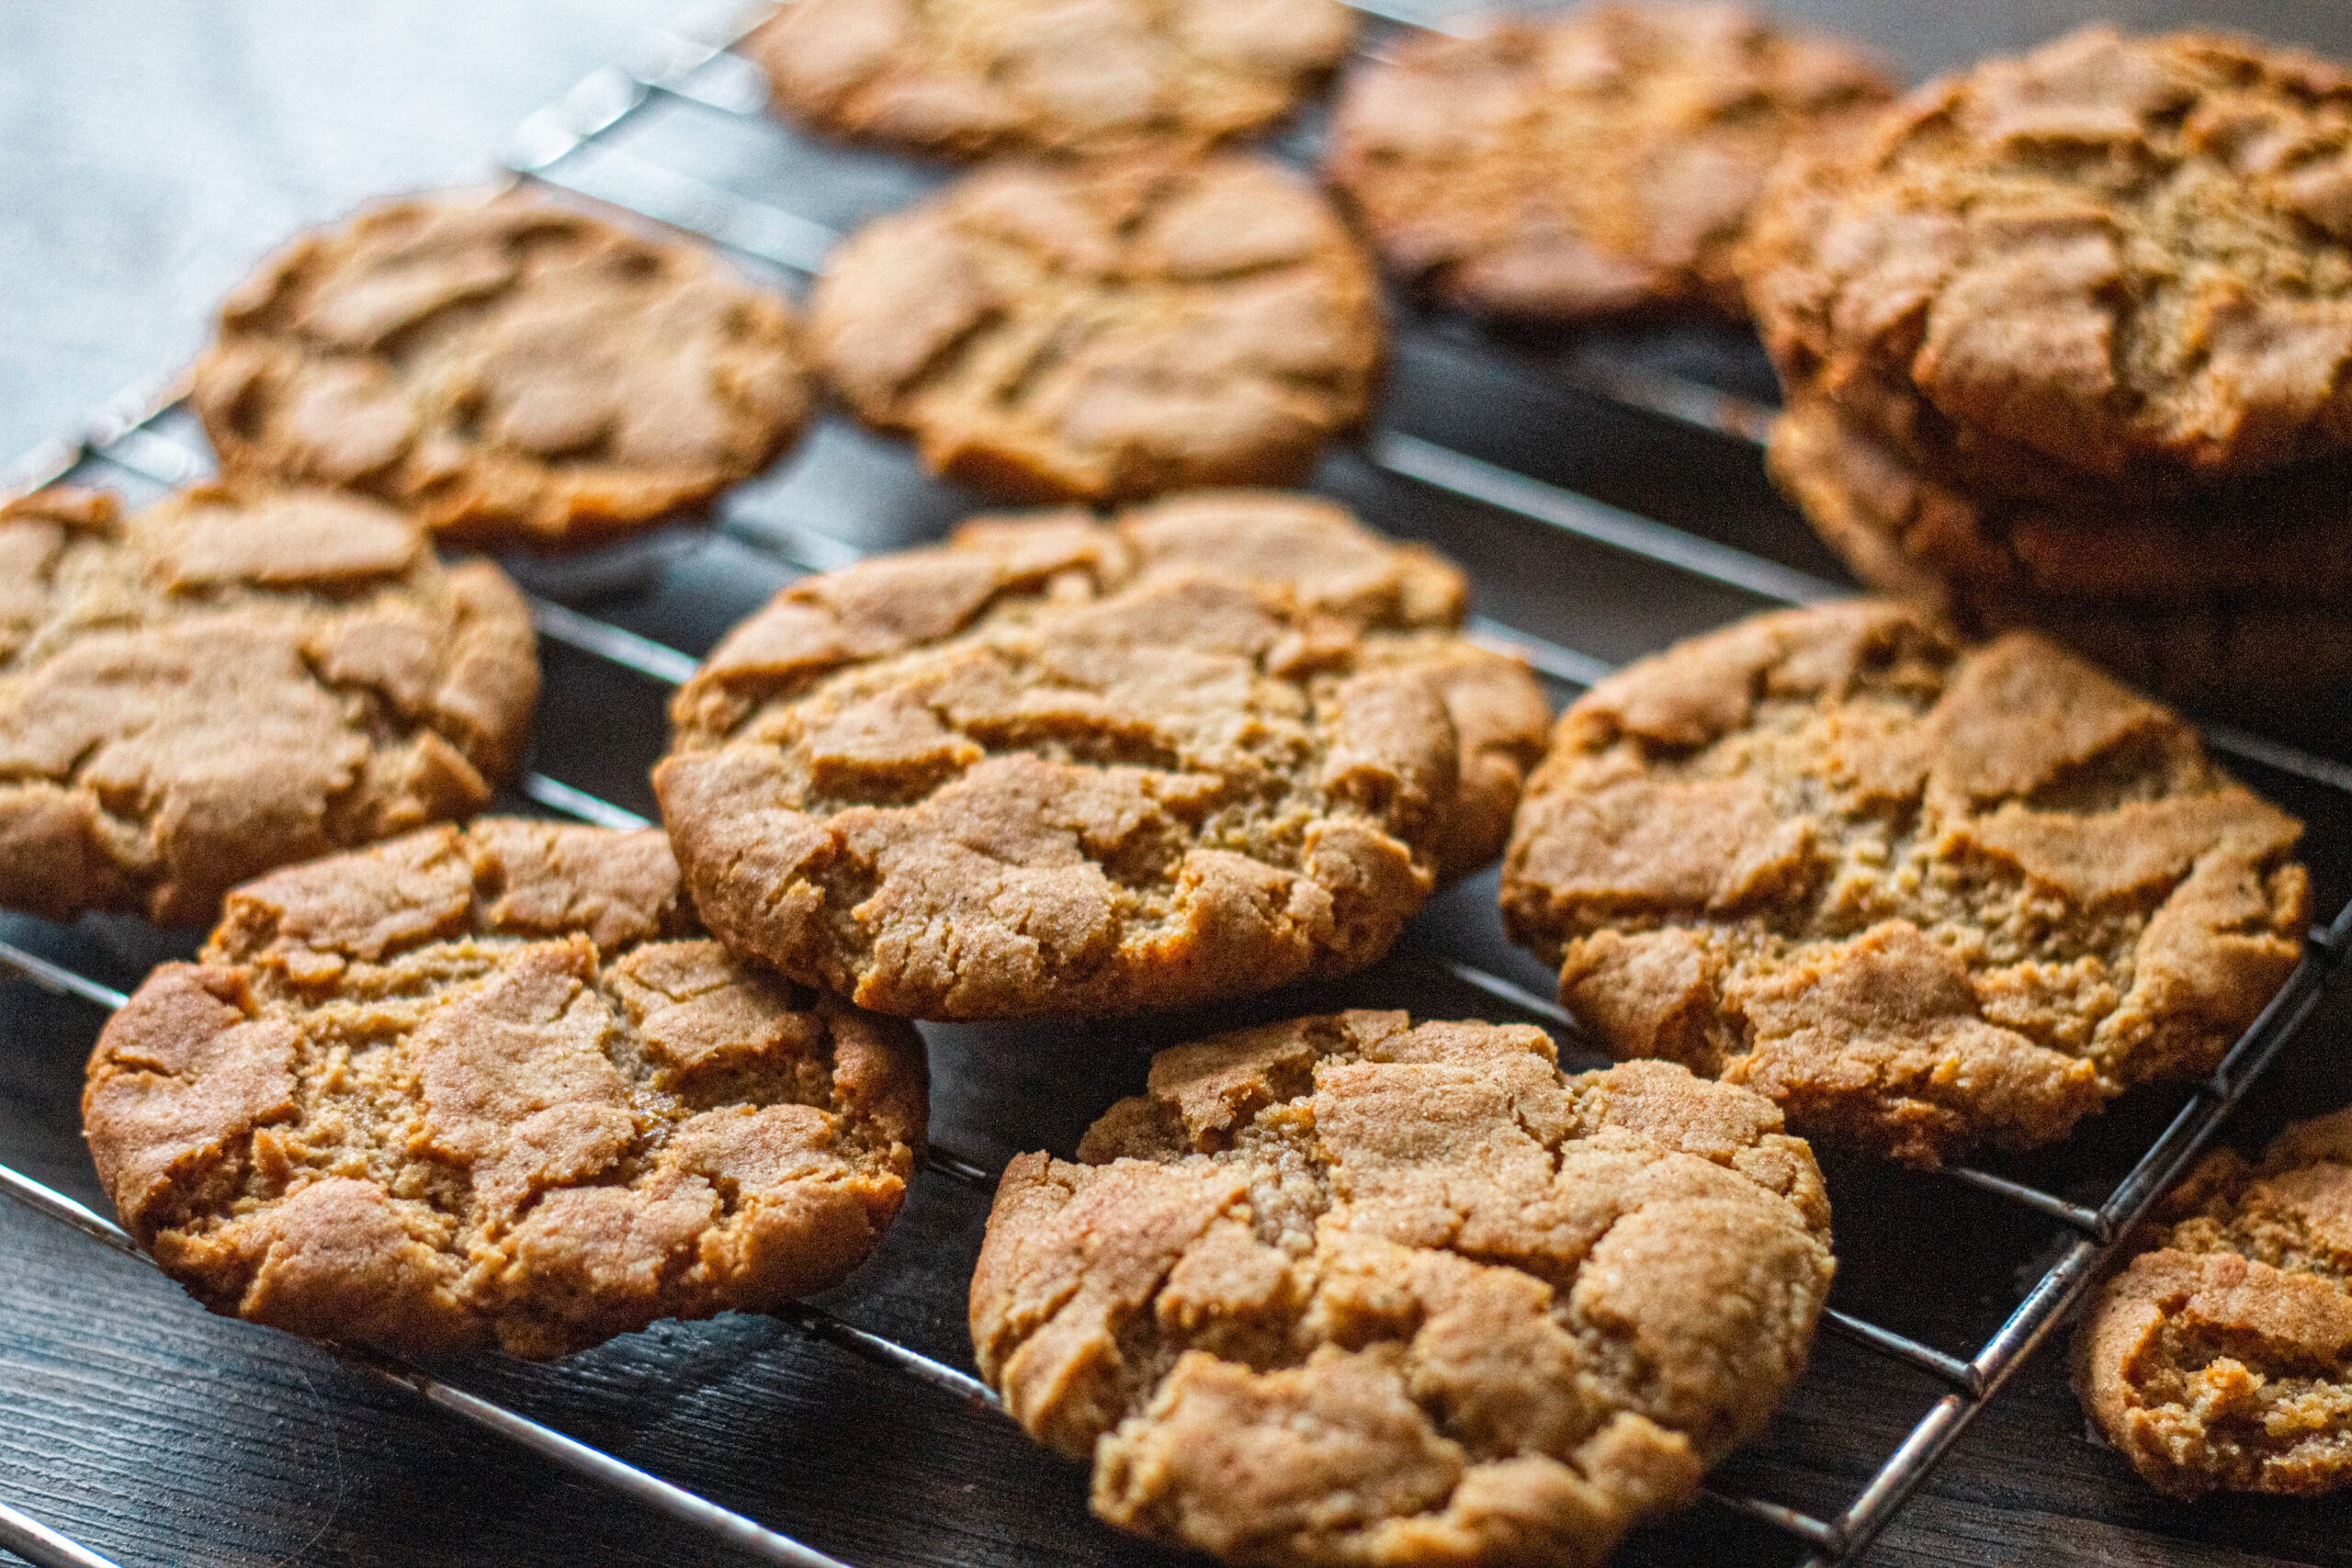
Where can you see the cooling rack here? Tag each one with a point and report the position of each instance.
(678, 136)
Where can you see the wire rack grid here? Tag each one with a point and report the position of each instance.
(570, 147)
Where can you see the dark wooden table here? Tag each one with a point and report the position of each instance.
(150, 150)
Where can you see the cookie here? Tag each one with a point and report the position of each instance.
(2221, 1356)
(1107, 331)
(974, 78)
(495, 1087)
(1596, 163)
(2240, 598)
(514, 372)
(1343, 1289)
(1064, 767)
(231, 680)
(2122, 257)
(1922, 897)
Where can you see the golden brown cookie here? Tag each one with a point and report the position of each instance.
(1922, 897)
(495, 1087)
(232, 680)
(2222, 1356)
(1346, 1291)
(2241, 593)
(1599, 162)
(1064, 767)
(2129, 258)
(512, 371)
(971, 78)
(1108, 332)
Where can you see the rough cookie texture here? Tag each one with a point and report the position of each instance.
(1108, 331)
(1346, 1291)
(1600, 162)
(1059, 766)
(495, 1087)
(511, 371)
(2242, 594)
(2222, 1356)
(970, 78)
(2131, 255)
(231, 680)
(1922, 897)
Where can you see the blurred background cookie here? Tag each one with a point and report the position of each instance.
(1599, 162)
(1110, 331)
(1922, 897)
(2221, 1356)
(1064, 767)
(495, 1087)
(514, 372)
(971, 77)
(1343, 1289)
(231, 680)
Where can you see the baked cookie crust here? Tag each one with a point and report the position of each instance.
(974, 78)
(1110, 331)
(1922, 897)
(2125, 257)
(1347, 1290)
(513, 372)
(1064, 767)
(1599, 162)
(2221, 1356)
(233, 680)
(495, 1087)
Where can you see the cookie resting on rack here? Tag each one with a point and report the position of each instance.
(1347, 1290)
(2221, 1355)
(1924, 896)
(2114, 266)
(1108, 331)
(1059, 766)
(2241, 592)
(513, 372)
(974, 78)
(495, 1087)
(233, 680)
(1588, 165)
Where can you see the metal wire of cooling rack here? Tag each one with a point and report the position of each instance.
(559, 146)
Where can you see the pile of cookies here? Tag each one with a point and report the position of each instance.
(1346, 1288)
(2065, 339)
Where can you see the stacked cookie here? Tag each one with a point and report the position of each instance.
(2064, 339)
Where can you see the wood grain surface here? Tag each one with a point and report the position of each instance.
(158, 1434)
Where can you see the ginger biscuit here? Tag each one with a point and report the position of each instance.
(1057, 766)
(2221, 1356)
(2115, 256)
(233, 680)
(1347, 1290)
(974, 78)
(495, 1087)
(513, 372)
(1599, 161)
(1924, 896)
(1108, 332)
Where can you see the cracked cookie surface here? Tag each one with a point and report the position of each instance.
(1108, 331)
(495, 1087)
(1924, 896)
(2221, 1356)
(513, 372)
(2239, 594)
(2114, 259)
(973, 78)
(232, 680)
(1058, 766)
(1599, 162)
(1347, 1290)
